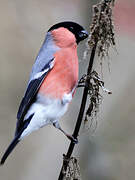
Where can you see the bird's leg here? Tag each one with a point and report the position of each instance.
(70, 137)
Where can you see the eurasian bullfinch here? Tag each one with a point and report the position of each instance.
(52, 82)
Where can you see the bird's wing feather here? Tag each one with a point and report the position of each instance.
(41, 67)
(32, 89)
(30, 94)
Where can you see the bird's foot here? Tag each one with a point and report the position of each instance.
(71, 138)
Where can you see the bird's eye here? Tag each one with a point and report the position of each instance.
(71, 28)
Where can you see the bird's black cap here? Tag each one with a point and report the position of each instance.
(79, 32)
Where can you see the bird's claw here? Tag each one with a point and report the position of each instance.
(74, 140)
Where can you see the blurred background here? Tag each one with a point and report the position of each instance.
(106, 154)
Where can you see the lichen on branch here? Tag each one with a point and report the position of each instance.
(72, 171)
(102, 37)
(102, 28)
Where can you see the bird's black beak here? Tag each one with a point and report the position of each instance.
(82, 35)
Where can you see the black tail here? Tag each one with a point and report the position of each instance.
(10, 149)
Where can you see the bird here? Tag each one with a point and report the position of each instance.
(52, 82)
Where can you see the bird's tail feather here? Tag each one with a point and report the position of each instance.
(16, 139)
(9, 149)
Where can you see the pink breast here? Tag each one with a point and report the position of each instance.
(64, 75)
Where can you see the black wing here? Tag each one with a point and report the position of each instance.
(30, 96)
